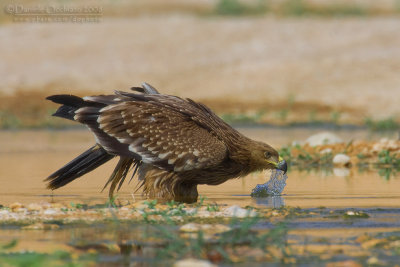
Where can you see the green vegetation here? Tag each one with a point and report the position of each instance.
(262, 239)
(9, 120)
(198, 245)
(243, 118)
(386, 163)
(282, 114)
(335, 117)
(388, 124)
(385, 157)
(240, 8)
(297, 156)
(302, 8)
(36, 259)
(298, 8)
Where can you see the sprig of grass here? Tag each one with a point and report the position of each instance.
(388, 124)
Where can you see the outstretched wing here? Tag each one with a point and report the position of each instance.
(155, 133)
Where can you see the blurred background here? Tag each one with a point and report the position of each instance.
(281, 62)
(292, 68)
(280, 71)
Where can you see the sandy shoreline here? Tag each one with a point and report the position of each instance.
(349, 63)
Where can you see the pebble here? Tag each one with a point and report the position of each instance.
(375, 261)
(20, 210)
(15, 206)
(372, 243)
(326, 151)
(34, 207)
(4, 212)
(193, 263)
(236, 211)
(323, 138)
(214, 256)
(395, 244)
(363, 238)
(341, 160)
(50, 212)
(204, 214)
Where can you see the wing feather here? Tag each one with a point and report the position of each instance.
(162, 136)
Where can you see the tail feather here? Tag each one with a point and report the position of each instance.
(120, 172)
(70, 104)
(84, 163)
(86, 111)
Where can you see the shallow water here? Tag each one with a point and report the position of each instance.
(27, 157)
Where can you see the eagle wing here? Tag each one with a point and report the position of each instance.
(160, 130)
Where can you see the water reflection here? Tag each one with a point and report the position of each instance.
(270, 201)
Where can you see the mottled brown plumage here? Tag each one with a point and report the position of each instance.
(173, 144)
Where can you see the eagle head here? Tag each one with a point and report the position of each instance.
(265, 157)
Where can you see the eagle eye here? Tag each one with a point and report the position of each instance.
(267, 154)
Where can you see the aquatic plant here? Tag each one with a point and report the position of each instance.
(385, 157)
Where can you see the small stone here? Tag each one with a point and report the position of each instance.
(191, 211)
(190, 227)
(373, 243)
(50, 212)
(4, 212)
(395, 244)
(341, 160)
(193, 263)
(375, 261)
(20, 210)
(204, 214)
(326, 151)
(34, 207)
(15, 206)
(236, 211)
(363, 238)
(392, 145)
(214, 256)
(377, 147)
(324, 138)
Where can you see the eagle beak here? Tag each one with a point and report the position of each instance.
(282, 165)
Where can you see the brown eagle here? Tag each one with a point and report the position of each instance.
(172, 144)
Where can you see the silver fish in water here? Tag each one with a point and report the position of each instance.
(274, 187)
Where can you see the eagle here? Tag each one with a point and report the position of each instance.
(170, 143)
